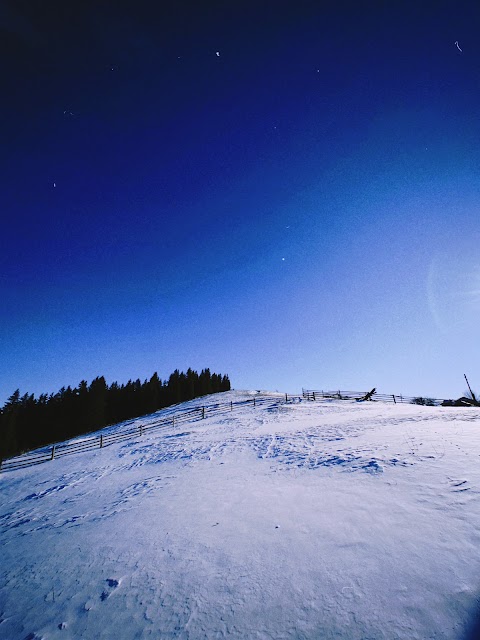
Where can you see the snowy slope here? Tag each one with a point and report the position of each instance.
(302, 520)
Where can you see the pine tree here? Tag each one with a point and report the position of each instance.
(97, 403)
(191, 384)
(153, 394)
(8, 443)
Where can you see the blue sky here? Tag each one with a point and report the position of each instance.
(300, 210)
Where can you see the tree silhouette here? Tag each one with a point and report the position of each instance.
(27, 423)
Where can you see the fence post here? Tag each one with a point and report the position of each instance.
(141, 430)
(53, 453)
(254, 403)
(314, 395)
(231, 405)
(101, 442)
(203, 412)
(286, 397)
(393, 396)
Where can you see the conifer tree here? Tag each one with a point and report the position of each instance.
(97, 403)
(10, 411)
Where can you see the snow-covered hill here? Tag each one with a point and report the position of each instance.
(302, 520)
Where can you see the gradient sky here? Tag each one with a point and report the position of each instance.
(287, 192)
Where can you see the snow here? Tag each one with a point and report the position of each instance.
(303, 520)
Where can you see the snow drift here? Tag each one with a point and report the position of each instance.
(290, 520)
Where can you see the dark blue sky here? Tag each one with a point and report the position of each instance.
(301, 209)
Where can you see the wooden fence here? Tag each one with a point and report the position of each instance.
(79, 445)
(310, 394)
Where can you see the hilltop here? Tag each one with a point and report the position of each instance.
(308, 520)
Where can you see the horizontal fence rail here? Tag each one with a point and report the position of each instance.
(310, 394)
(58, 450)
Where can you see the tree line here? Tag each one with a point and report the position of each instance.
(27, 422)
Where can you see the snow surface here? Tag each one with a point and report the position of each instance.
(304, 520)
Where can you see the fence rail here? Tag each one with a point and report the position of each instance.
(61, 449)
(310, 394)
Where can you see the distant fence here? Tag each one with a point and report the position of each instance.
(310, 394)
(58, 450)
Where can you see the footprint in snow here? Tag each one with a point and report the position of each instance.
(373, 467)
(461, 485)
(112, 584)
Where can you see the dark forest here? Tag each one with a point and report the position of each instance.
(27, 422)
